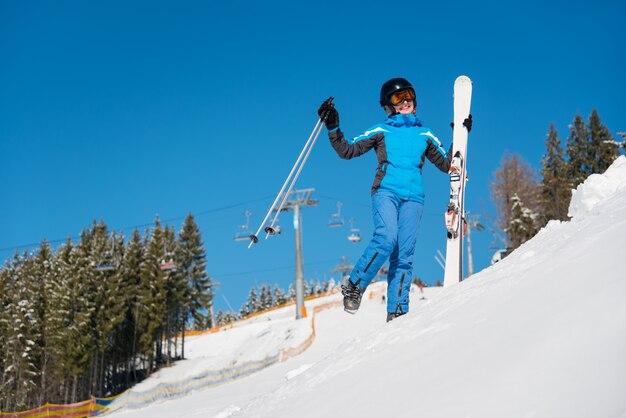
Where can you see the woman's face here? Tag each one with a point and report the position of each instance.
(406, 107)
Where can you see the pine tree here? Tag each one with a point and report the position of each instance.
(253, 301)
(7, 380)
(279, 296)
(21, 376)
(245, 310)
(317, 288)
(198, 297)
(5, 283)
(230, 317)
(176, 290)
(50, 313)
(555, 186)
(579, 164)
(265, 299)
(219, 318)
(522, 225)
(152, 304)
(56, 316)
(591, 148)
(108, 294)
(133, 326)
(325, 286)
(83, 334)
(63, 318)
(603, 148)
(117, 298)
(291, 293)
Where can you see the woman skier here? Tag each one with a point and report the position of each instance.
(401, 143)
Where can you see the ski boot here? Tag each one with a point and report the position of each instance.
(352, 295)
(393, 315)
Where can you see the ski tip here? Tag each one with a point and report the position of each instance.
(463, 79)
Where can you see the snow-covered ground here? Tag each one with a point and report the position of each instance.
(540, 334)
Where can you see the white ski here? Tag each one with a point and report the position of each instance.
(454, 216)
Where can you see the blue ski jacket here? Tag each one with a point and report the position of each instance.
(402, 144)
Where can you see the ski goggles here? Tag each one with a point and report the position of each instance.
(401, 96)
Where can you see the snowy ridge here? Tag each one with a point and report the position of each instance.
(597, 188)
(540, 334)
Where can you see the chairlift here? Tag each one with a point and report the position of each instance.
(335, 219)
(355, 233)
(169, 265)
(107, 265)
(243, 233)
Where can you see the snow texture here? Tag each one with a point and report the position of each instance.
(540, 334)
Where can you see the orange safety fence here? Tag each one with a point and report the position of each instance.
(89, 408)
(75, 410)
(303, 346)
(253, 315)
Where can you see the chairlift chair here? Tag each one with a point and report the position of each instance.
(335, 219)
(243, 234)
(355, 233)
(169, 265)
(105, 267)
(108, 264)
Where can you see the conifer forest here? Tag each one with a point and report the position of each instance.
(100, 314)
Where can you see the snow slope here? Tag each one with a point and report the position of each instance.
(540, 334)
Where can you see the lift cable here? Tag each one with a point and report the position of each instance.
(165, 221)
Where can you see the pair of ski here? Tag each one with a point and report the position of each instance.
(454, 217)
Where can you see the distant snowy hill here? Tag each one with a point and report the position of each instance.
(540, 334)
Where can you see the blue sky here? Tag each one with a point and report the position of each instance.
(124, 110)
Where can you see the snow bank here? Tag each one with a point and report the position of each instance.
(597, 188)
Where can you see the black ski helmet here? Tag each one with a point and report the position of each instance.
(389, 88)
(392, 86)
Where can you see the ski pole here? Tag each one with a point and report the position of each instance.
(254, 237)
(293, 182)
(297, 165)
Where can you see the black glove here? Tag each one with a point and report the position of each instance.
(327, 109)
(467, 123)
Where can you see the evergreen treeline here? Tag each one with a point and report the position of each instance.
(526, 204)
(266, 297)
(98, 315)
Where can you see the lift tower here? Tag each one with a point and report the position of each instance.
(295, 200)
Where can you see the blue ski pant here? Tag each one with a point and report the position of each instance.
(396, 225)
